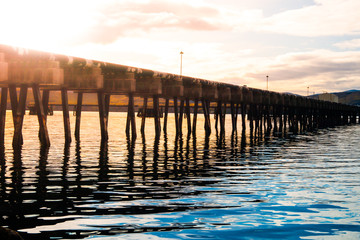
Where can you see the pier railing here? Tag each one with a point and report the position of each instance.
(265, 111)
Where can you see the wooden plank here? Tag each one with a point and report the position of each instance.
(44, 135)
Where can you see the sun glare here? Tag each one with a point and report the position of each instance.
(44, 25)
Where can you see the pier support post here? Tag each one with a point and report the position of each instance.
(157, 115)
(196, 106)
(66, 117)
(45, 102)
(281, 114)
(206, 108)
(257, 116)
(233, 117)
(19, 116)
(188, 116)
(217, 115)
(14, 105)
(166, 111)
(4, 93)
(286, 114)
(222, 120)
(143, 117)
(44, 135)
(78, 115)
(275, 118)
(243, 114)
(107, 109)
(251, 118)
(130, 121)
(181, 115)
(102, 116)
(176, 112)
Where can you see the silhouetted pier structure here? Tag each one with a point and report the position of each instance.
(265, 111)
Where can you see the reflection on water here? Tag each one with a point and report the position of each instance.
(208, 187)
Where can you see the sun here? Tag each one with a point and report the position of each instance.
(45, 25)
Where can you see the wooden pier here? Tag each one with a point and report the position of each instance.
(266, 112)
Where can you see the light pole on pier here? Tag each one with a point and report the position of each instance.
(181, 53)
(267, 83)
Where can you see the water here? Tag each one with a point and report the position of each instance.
(301, 187)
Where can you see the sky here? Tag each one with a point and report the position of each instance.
(301, 45)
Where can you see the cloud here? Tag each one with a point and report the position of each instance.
(352, 44)
(125, 18)
(326, 18)
(322, 70)
(128, 18)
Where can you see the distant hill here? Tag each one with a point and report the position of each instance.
(351, 97)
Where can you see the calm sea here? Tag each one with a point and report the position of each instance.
(299, 187)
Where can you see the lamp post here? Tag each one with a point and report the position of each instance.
(181, 53)
(267, 83)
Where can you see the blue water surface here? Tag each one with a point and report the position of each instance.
(295, 187)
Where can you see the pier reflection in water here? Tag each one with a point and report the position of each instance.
(181, 187)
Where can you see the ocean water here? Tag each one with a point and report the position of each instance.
(297, 187)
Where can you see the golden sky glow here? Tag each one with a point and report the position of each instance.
(298, 44)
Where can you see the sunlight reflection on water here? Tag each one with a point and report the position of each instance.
(306, 186)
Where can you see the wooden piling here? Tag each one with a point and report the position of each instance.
(243, 114)
(131, 118)
(188, 116)
(143, 117)
(166, 111)
(196, 106)
(176, 113)
(66, 117)
(181, 115)
(222, 120)
(237, 114)
(78, 115)
(45, 102)
(250, 116)
(107, 109)
(157, 115)
(206, 109)
(233, 116)
(19, 116)
(14, 104)
(44, 135)
(4, 93)
(217, 115)
(102, 116)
